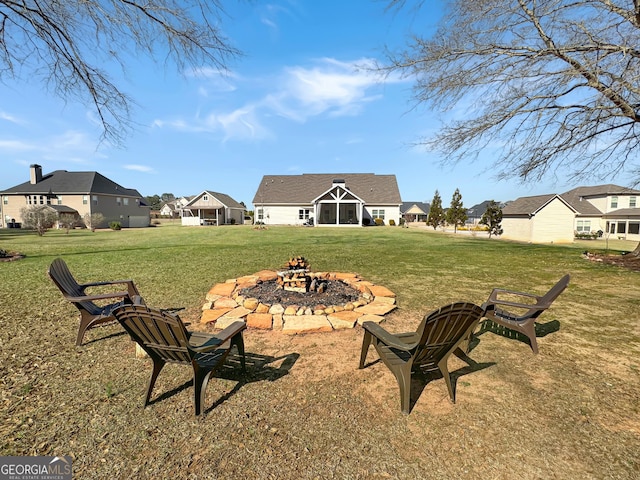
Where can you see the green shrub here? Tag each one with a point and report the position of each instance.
(115, 225)
(379, 221)
(366, 221)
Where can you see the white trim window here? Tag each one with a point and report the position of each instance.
(303, 213)
(614, 202)
(377, 213)
(632, 202)
(583, 226)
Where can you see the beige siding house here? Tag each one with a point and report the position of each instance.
(609, 209)
(212, 208)
(323, 199)
(75, 194)
(539, 219)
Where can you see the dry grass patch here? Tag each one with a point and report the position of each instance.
(304, 411)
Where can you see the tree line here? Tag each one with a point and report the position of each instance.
(456, 214)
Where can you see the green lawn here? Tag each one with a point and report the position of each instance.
(570, 412)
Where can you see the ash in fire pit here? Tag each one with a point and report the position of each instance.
(334, 292)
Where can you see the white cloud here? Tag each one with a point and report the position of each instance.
(16, 146)
(329, 87)
(139, 168)
(11, 118)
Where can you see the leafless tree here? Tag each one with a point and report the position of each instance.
(552, 86)
(93, 220)
(67, 44)
(39, 218)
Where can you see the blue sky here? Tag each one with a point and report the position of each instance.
(295, 103)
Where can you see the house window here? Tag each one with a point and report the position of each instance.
(41, 199)
(118, 201)
(614, 202)
(303, 214)
(94, 199)
(125, 201)
(377, 214)
(634, 228)
(583, 226)
(622, 227)
(632, 202)
(59, 197)
(85, 199)
(205, 198)
(260, 214)
(5, 200)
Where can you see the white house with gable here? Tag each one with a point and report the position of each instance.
(212, 208)
(327, 199)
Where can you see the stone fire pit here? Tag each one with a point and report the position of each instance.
(345, 301)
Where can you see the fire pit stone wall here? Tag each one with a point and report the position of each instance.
(226, 304)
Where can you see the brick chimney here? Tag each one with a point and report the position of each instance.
(36, 173)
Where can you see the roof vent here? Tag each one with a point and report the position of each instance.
(338, 181)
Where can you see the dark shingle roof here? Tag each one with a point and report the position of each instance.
(225, 199)
(425, 207)
(303, 189)
(574, 197)
(61, 182)
(527, 205)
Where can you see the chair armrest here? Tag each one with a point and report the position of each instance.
(100, 296)
(387, 338)
(214, 341)
(101, 284)
(501, 291)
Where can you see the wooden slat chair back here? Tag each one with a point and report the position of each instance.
(438, 336)
(91, 314)
(503, 308)
(164, 337)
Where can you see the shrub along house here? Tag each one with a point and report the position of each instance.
(324, 199)
(75, 194)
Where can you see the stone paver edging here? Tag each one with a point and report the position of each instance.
(224, 305)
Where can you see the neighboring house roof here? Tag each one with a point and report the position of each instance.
(480, 208)
(61, 182)
(223, 198)
(170, 205)
(575, 197)
(526, 206)
(415, 208)
(302, 189)
(62, 209)
(623, 212)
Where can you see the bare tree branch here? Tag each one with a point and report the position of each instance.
(551, 85)
(64, 43)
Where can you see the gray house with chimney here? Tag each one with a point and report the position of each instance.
(327, 199)
(75, 194)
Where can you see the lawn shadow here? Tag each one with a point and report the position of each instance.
(259, 368)
(542, 330)
(422, 378)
